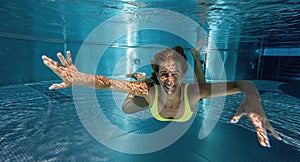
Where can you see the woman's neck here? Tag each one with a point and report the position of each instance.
(171, 100)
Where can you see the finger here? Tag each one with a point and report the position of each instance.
(260, 130)
(58, 86)
(239, 113)
(200, 44)
(63, 61)
(47, 61)
(53, 65)
(262, 137)
(271, 129)
(69, 58)
(236, 117)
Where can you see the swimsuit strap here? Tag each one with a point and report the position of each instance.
(187, 108)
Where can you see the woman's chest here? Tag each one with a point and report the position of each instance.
(171, 111)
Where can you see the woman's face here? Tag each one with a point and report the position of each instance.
(170, 77)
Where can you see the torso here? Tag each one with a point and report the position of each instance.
(171, 110)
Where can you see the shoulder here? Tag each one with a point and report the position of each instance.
(196, 91)
(193, 88)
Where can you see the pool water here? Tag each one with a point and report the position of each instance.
(246, 40)
(42, 125)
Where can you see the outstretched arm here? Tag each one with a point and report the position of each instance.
(251, 106)
(199, 73)
(71, 76)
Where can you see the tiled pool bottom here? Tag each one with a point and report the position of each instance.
(38, 124)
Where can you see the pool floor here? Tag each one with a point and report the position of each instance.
(42, 125)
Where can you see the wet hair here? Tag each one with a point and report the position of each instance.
(175, 54)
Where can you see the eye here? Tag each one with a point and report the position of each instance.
(164, 75)
(176, 75)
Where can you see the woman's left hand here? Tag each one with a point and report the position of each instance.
(252, 107)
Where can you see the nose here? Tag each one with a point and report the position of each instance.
(170, 79)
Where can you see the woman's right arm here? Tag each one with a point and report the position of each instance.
(71, 77)
(199, 73)
(198, 70)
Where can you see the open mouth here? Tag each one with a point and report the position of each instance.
(169, 88)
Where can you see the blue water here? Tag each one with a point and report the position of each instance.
(42, 125)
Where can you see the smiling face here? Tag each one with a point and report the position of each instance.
(169, 67)
(170, 77)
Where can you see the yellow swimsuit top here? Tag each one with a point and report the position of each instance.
(187, 113)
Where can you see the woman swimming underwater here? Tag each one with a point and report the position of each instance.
(176, 100)
(134, 104)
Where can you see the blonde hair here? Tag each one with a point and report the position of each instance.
(167, 57)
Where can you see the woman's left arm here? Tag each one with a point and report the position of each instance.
(251, 106)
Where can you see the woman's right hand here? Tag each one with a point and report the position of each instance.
(66, 71)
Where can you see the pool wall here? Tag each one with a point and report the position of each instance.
(31, 29)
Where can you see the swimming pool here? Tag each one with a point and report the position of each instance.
(113, 38)
(38, 124)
